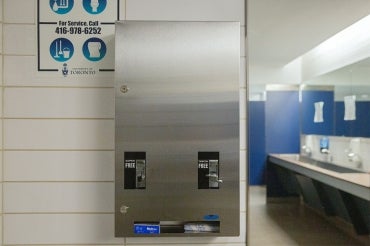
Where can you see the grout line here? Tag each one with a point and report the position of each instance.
(56, 118)
(125, 2)
(2, 125)
(58, 87)
(57, 150)
(19, 23)
(70, 150)
(23, 55)
(63, 244)
(58, 181)
(56, 213)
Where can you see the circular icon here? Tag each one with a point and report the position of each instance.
(94, 49)
(94, 7)
(61, 49)
(61, 6)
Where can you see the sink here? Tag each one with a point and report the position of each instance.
(328, 166)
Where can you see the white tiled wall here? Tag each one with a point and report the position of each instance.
(19, 39)
(61, 102)
(57, 148)
(186, 10)
(1, 116)
(59, 166)
(13, 8)
(58, 134)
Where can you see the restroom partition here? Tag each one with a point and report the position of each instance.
(177, 129)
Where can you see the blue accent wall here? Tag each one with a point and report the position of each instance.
(282, 122)
(274, 125)
(273, 128)
(355, 128)
(308, 112)
(257, 152)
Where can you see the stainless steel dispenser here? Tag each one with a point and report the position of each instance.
(177, 128)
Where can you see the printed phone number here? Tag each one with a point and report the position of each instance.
(78, 30)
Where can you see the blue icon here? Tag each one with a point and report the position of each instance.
(94, 49)
(94, 7)
(61, 6)
(61, 49)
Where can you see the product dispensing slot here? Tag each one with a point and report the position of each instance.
(135, 170)
(168, 227)
(209, 170)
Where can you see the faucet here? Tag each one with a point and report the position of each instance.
(328, 157)
(355, 158)
(307, 150)
(325, 151)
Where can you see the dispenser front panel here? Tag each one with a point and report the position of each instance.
(177, 129)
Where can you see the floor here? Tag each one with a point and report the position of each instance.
(290, 224)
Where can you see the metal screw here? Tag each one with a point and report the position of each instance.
(123, 209)
(124, 89)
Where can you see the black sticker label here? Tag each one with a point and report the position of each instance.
(208, 170)
(135, 170)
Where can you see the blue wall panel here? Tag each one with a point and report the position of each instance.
(257, 152)
(282, 122)
(342, 127)
(308, 112)
(273, 128)
(355, 128)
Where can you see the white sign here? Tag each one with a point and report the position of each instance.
(76, 37)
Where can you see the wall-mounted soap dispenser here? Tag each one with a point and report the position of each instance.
(324, 145)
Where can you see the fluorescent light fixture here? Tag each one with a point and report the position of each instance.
(354, 36)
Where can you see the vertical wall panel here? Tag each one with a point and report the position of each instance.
(282, 122)
(1, 117)
(354, 128)
(1, 10)
(257, 153)
(1, 42)
(309, 97)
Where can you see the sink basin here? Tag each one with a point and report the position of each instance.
(328, 166)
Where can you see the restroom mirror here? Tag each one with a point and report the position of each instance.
(350, 82)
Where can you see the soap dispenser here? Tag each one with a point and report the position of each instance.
(324, 145)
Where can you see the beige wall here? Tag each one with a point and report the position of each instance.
(58, 135)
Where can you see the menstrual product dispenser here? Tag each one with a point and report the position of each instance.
(177, 129)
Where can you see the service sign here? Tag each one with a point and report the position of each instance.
(76, 37)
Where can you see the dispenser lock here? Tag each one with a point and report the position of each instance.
(135, 170)
(208, 170)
